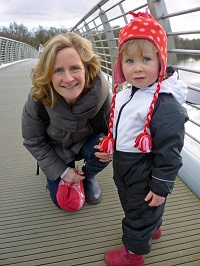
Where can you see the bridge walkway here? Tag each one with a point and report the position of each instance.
(34, 232)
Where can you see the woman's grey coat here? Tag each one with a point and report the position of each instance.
(57, 144)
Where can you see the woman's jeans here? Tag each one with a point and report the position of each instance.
(92, 165)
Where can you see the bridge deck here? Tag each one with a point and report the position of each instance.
(34, 232)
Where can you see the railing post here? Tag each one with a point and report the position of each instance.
(7, 54)
(158, 9)
(13, 51)
(0, 50)
(90, 35)
(110, 37)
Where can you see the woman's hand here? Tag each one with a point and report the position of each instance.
(103, 156)
(155, 199)
(73, 175)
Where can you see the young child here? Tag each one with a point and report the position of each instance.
(147, 125)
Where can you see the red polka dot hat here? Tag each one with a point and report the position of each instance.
(142, 26)
(70, 196)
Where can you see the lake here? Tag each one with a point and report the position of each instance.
(191, 78)
(192, 96)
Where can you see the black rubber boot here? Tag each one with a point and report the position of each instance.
(92, 190)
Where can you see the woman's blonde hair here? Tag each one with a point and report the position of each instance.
(42, 74)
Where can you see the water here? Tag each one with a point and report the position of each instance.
(193, 97)
(194, 79)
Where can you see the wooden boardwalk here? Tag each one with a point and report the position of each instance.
(34, 232)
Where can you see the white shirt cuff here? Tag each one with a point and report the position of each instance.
(64, 173)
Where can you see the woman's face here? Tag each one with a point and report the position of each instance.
(68, 76)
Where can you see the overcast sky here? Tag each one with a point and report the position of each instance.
(66, 13)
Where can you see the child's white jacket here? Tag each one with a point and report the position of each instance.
(133, 114)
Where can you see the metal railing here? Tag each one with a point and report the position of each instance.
(11, 50)
(102, 24)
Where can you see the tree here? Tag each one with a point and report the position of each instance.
(34, 37)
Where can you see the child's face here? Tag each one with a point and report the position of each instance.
(141, 67)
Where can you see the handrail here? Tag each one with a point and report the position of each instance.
(183, 32)
(184, 12)
(11, 50)
(101, 3)
(187, 69)
(184, 51)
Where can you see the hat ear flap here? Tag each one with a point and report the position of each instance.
(118, 73)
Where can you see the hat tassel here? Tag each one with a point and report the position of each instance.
(107, 145)
(143, 142)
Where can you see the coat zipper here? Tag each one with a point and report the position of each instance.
(120, 111)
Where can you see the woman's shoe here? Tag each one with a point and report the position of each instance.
(122, 257)
(92, 190)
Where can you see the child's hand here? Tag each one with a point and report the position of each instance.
(155, 199)
(103, 157)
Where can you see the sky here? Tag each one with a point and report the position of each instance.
(66, 13)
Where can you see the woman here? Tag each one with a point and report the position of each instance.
(67, 81)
